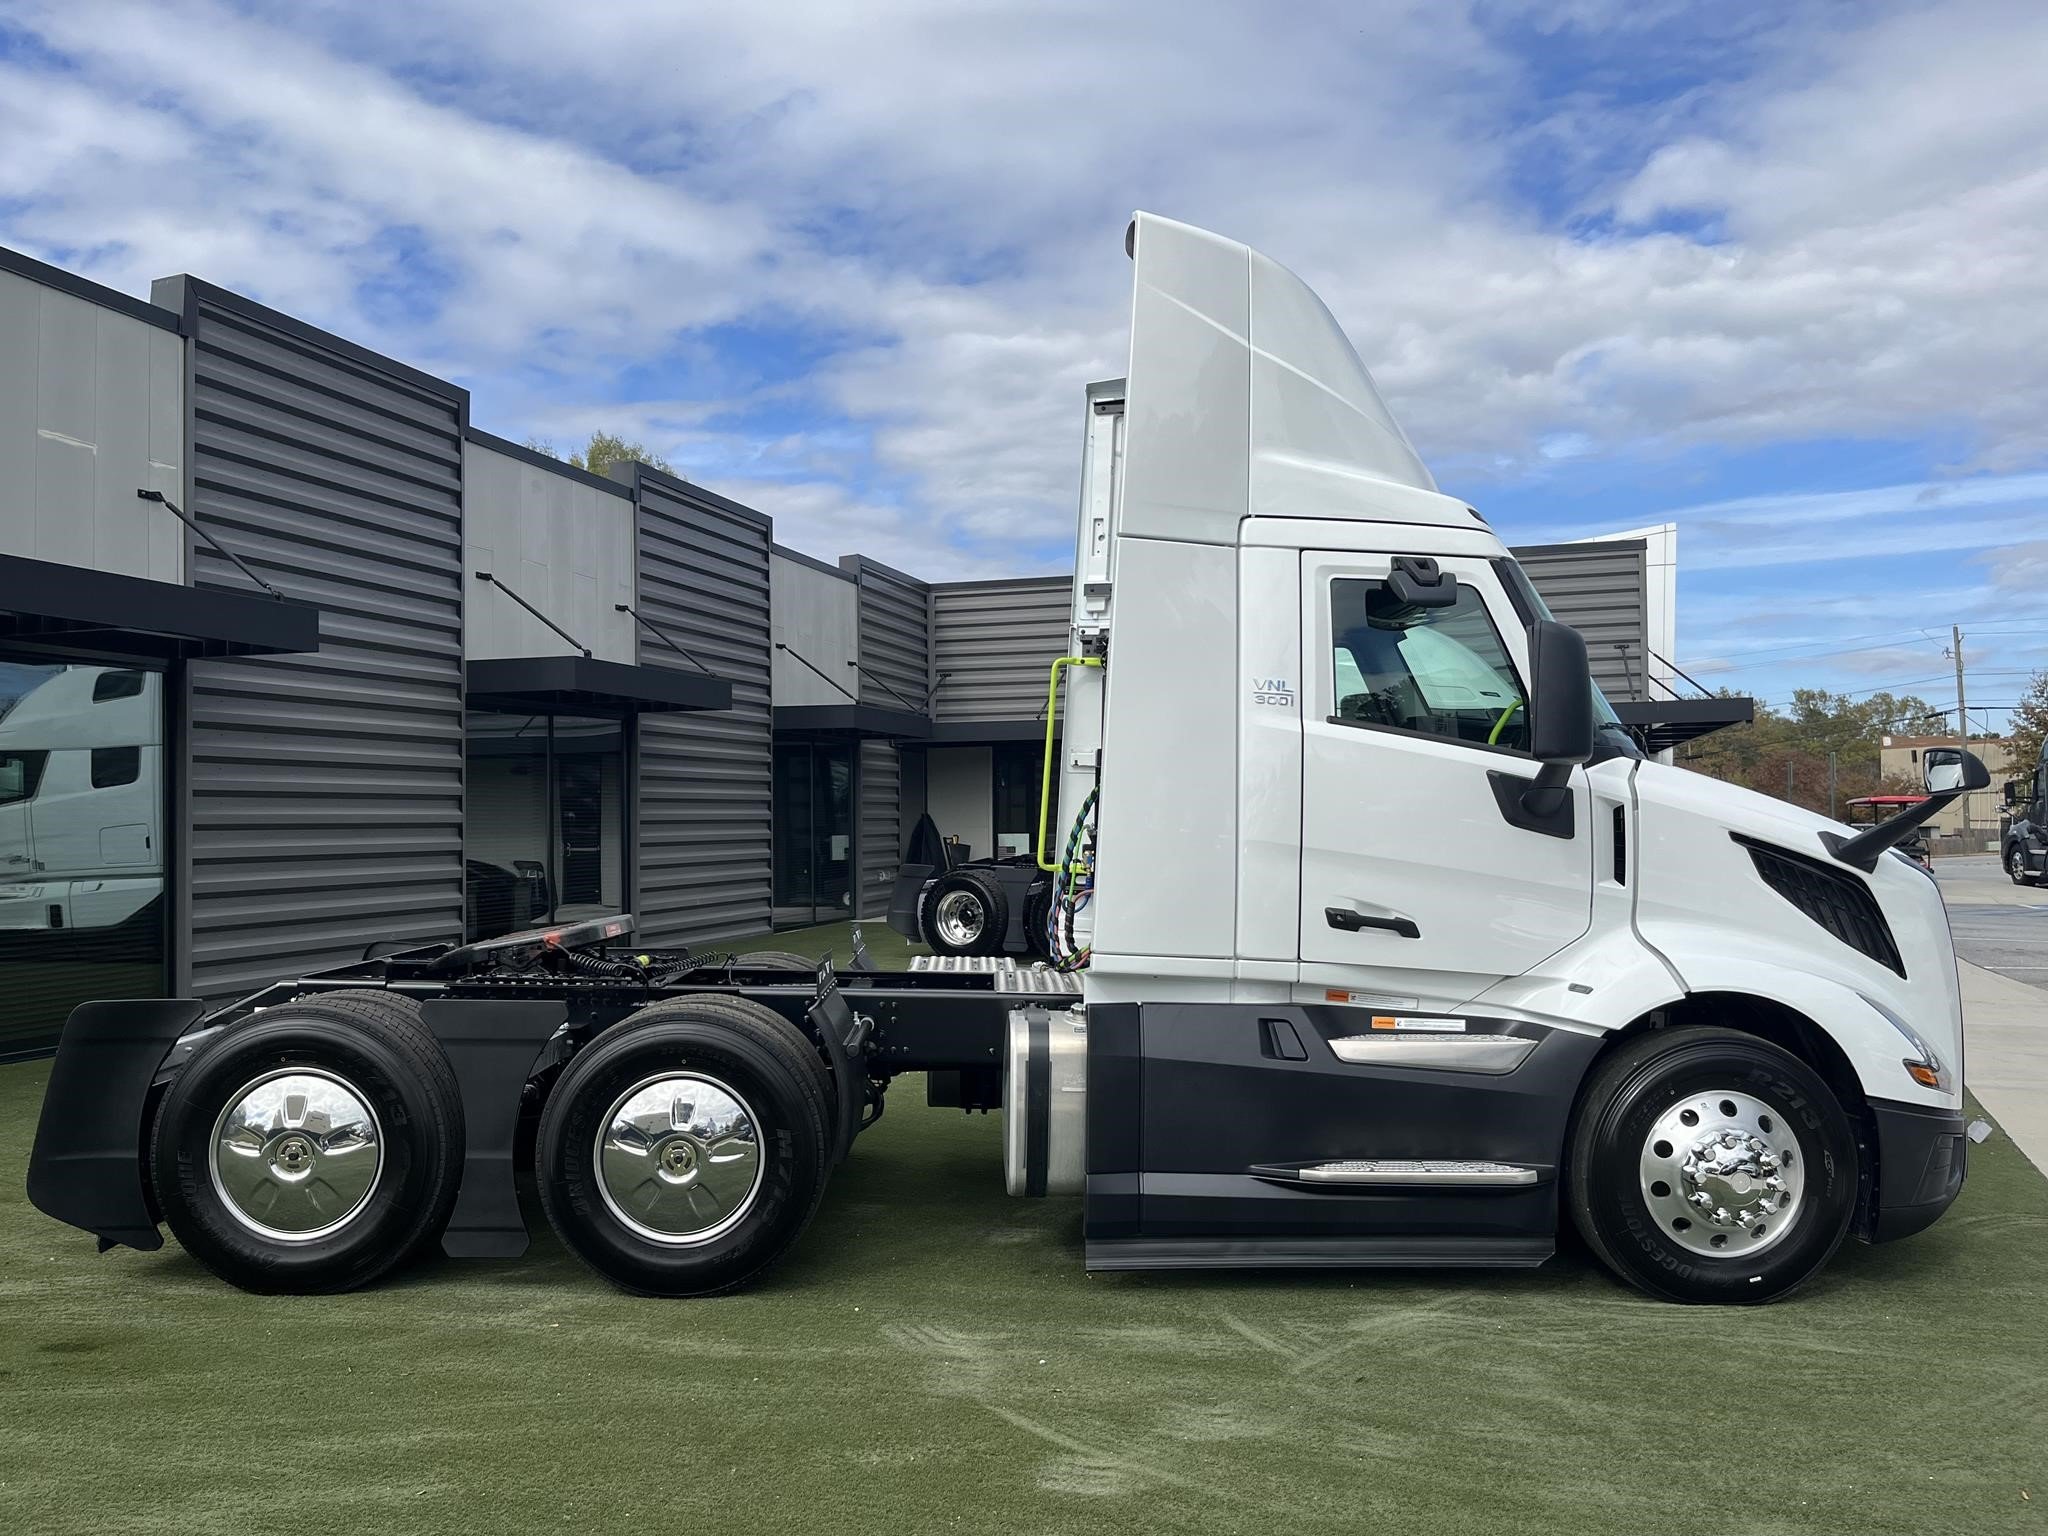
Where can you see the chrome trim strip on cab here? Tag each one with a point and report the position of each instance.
(1492, 1054)
(1382, 1170)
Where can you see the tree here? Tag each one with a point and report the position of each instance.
(2029, 727)
(603, 451)
(1785, 754)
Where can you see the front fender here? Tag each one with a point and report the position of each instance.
(1876, 1050)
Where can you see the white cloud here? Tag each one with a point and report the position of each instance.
(942, 191)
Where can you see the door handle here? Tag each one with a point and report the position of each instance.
(1350, 922)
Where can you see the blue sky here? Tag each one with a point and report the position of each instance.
(1771, 272)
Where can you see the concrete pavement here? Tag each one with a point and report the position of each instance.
(2005, 1056)
(1998, 925)
(2001, 933)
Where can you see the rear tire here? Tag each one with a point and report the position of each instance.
(1037, 914)
(775, 960)
(686, 1149)
(966, 913)
(1679, 1126)
(313, 1148)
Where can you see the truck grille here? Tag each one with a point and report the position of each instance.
(1835, 898)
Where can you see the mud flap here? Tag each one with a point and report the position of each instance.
(492, 1045)
(87, 1168)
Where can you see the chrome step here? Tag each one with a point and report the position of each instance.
(1391, 1170)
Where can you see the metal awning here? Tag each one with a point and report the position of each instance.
(1660, 724)
(72, 612)
(850, 722)
(571, 685)
(976, 733)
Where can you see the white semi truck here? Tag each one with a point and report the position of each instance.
(81, 851)
(1378, 943)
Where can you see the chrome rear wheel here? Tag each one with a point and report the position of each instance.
(679, 1158)
(296, 1154)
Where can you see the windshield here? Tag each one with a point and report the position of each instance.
(1614, 736)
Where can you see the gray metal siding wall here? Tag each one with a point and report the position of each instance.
(880, 833)
(706, 824)
(895, 650)
(994, 641)
(1599, 589)
(895, 635)
(324, 791)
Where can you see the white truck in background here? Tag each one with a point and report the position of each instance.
(1378, 943)
(81, 791)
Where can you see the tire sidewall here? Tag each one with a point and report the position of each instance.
(181, 1154)
(1635, 1237)
(792, 1174)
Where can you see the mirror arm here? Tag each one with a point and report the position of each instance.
(1868, 846)
(1547, 791)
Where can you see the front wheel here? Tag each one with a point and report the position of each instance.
(2016, 865)
(1707, 1165)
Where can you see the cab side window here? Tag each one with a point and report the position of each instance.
(115, 766)
(1433, 671)
(20, 774)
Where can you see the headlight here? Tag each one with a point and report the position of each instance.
(1923, 1066)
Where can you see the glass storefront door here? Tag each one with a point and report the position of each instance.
(544, 828)
(81, 843)
(813, 834)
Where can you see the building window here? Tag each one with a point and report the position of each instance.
(544, 828)
(1018, 767)
(81, 844)
(813, 833)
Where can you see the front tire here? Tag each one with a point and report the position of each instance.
(1706, 1165)
(2016, 866)
(313, 1148)
(686, 1149)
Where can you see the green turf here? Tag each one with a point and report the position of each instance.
(933, 1357)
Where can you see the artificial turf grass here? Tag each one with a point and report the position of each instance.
(933, 1357)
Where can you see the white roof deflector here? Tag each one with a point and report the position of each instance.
(1247, 400)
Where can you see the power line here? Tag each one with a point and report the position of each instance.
(1715, 669)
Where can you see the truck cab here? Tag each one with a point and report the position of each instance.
(80, 793)
(1398, 950)
(2023, 843)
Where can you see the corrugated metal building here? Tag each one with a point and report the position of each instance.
(294, 660)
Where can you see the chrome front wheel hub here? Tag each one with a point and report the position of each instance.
(960, 917)
(296, 1154)
(679, 1159)
(1723, 1174)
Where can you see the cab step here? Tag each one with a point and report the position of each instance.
(1467, 1174)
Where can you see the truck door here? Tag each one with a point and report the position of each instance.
(1415, 886)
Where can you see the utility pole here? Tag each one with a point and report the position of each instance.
(1834, 811)
(1962, 720)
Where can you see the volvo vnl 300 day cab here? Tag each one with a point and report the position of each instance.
(1378, 943)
